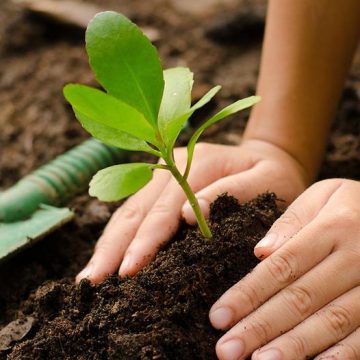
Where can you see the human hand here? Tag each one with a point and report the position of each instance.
(151, 216)
(304, 297)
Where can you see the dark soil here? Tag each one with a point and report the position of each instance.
(161, 313)
(37, 58)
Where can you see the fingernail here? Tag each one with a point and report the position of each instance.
(268, 241)
(270, 354)
(85, 273)
(188, 212)
(222, 317)
(125, 265)
(232, 349)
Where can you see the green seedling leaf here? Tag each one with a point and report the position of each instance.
(125, 62)
(118, 182)
(206, 98)
(143, 107)
(106, 110)
(176, 99)
(112, 136)
(227, 111)
(173, 128)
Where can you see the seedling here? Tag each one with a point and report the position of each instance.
(143, 109)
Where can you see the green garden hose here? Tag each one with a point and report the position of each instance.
(57, 181)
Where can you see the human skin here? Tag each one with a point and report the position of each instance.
(305, 296)
(307, 52)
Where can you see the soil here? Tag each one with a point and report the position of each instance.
(37, 57)
(161, 313)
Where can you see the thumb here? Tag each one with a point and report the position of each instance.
(299, 214)
(244, 186)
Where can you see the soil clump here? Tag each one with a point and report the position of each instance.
(162, 312)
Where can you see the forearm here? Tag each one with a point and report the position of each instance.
(307, 51)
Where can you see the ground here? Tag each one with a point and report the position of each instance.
(38, 56)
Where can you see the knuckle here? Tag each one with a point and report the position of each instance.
(327, 224)
(298, 345)
(262, 330)
(291, 218)
(345, 215)
(248, 294)
(348, 352)
(299, 299)
(160, 208)
(282, 267)
(337, 320)
(129, 212)
(341, 351)
(102, 246)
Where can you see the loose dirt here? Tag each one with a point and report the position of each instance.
(161, 313)
(37, 58)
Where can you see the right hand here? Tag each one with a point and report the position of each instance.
(151, 216)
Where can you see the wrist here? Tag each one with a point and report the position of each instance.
(305, 143)
(287, 159)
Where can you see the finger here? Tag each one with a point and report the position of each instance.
(163, 219)
(348, 348)
(295, 303)
(320, 331)
(160, 223)
(301, 212)
(276, 272)
(121, 229)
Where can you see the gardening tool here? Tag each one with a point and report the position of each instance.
(28, 210)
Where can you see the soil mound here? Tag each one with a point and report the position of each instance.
(162, 312)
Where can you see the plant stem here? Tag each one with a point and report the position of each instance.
(204, 228)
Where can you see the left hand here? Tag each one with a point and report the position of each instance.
(132, 236)
(304, 297)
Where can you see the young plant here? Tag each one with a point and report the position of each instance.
(143, 109)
